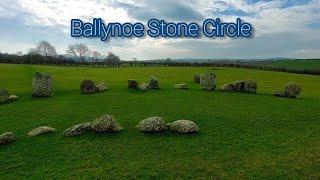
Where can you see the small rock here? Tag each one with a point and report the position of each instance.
(292, 89)
(143, 86)
(133, 84)
(87, 87)
(208, 81)
(13, 97)
(4, 95)
(42, 85)
(41, 130)
(181, 86)
(196, 78)
(227, 87)
(279, 94)
(183, 126)
(106, 123)
(77, 129)
(7, 138)
(154, 83)
(101, 87)
(152, 124)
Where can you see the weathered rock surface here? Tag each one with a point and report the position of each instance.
(87, 87)
(208, 81)
(41, 130)
(13, 97)
(4, 95)
(132, 83)
(106, 123)
(279, 94)
(292, 89)
(238, 86)
(77, 129)
(7, 138)
(250, 86)
(152, 124)
(181, 86)
(227, 87)
(153, 83)
(143, 86)
(183, 126)
(196, 78)
(42, 85)
(101, 87)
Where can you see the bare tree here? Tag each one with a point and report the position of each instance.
(112, 59)
(19, 53)
(44, 48)
(32, 51)
(79, 51)
(96, 55)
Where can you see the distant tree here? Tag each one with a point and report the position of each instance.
(44, 48)
(78, 51)
(19, 53)
(96, 55)
(32, 51)
(112, 59)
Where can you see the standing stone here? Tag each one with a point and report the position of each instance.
(143, 86)
(152, 124)
(183, 126)
(239, 86)
(181, 86)
(4, 95)
(250, 86)
(292, 89)
(87, 87)
(7, 138)
(132, 84)
(196, 78)
(101, 87)
(106, 123)
(77, 129)
(42, 85)
(154, 83)
(208, 81)
(227, 87)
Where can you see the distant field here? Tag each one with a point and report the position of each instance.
(297, 64)
(241, 135)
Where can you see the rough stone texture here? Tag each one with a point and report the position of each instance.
(279, 94)
(133, 84)
(196, 78)
(239, 86)
(13, 97)
(42, 85)
(87, 87)
(227, 87)
(101, 87)
(183, 126)
(153, 83)
(77, 129)
(181, 86)
(152, 124)
(7, 138)
(143, 86)
(208, 81)
(41, 130)
(106, 123)
(250, 86)
(4, 95)
(292, 89)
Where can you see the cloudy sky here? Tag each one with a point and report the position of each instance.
(283, 28)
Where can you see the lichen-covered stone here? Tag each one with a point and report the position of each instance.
(87, 87)
(41, 130)
(152, 124)
(132, 84)
(239, 86)
(143, 86)
(181, 86)
(292, 89)
(208, 81)
(4, 95)
(196, 78)
(279, 94)
(13, 97)
(7, 138)
(153, 83)
(250, 86)
(227, 87)
(42, 85)
(77, 129)
(106, 123)
(101, 87)
(183, 126)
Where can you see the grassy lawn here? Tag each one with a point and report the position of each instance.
(241, 135)
(298, 64)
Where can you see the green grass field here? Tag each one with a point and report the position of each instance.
(297, 64)
(241, 135)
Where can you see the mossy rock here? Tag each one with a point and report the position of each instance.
(227, 87)
(154, 83)
(77, 129)
(7, 138)
(132, 84)
(143, 86)
(41, 130)
(208, 81)
(183, 126)
(106, 123)
(152, 124)
(181, 86)
(42, 85)
(292, 89)
(87, 87)
(4, 95)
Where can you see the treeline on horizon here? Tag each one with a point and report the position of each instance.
(80, 55)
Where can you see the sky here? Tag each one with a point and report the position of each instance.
(282, 28)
